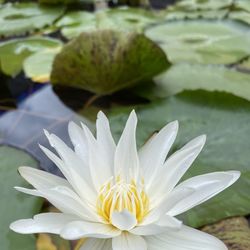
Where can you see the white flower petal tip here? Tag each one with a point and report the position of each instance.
(124, 220)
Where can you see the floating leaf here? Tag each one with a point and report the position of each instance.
(208, 77)
(14, 52)
(19, 18)
(217, 42)
(39, 65)
(235, 232)
(129, 19)
(225, 119)
(105, 61)
(240, 16)
(23, 128)
(203, 4)
(13, 204)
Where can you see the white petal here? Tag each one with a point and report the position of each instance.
(123, 220)
(41, 179)
(104, 137)
(79, 141)
(127, 241)
(81, 183)
(126, 156)
(42, 223)
(176, 166)
(96, 244)
(184, 239)
(79, 229)
(206, 186)
(69, 157)
(153, 154)
(167, 203)
(165, 223)
(98, 161)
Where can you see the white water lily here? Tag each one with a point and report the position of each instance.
(120, 198)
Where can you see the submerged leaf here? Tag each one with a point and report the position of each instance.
(107, 61)
(225, 120)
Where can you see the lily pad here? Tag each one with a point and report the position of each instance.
(235, 232)
(38, 66)
(225, 119)
(128, 19)
(19, 18)
(103, 62)
(203, 4)
(14, 52)
(13, 204)
(242, 16)
(208, 77)
(215, 42)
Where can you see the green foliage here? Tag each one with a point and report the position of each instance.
(128, 19)
(14, 52)
(105, 61)
(208, 77)
(215, 42)
(225, 119)
(22, 18)
(15, 205)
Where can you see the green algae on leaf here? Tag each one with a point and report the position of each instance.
(106, 61)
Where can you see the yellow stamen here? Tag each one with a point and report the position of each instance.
(117, 195)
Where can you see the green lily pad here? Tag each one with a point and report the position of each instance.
(235, 232)
(242, 4)
(38, 66)
(129, 19)
(203, 4)
(208, 77)
(14, 52)
(15, 205)
(206, 14)
(215, 42)
(105, 61)
(242, 16)
(20, 18)
(225, 119)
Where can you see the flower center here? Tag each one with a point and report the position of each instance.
(118, 196)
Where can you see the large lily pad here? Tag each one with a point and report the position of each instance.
(208, 77)
(225, 119)
(15, 205)
(14, 52)
(20, 18)
(215, 42)
(105, 61)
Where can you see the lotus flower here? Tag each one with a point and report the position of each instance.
(119, 198)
